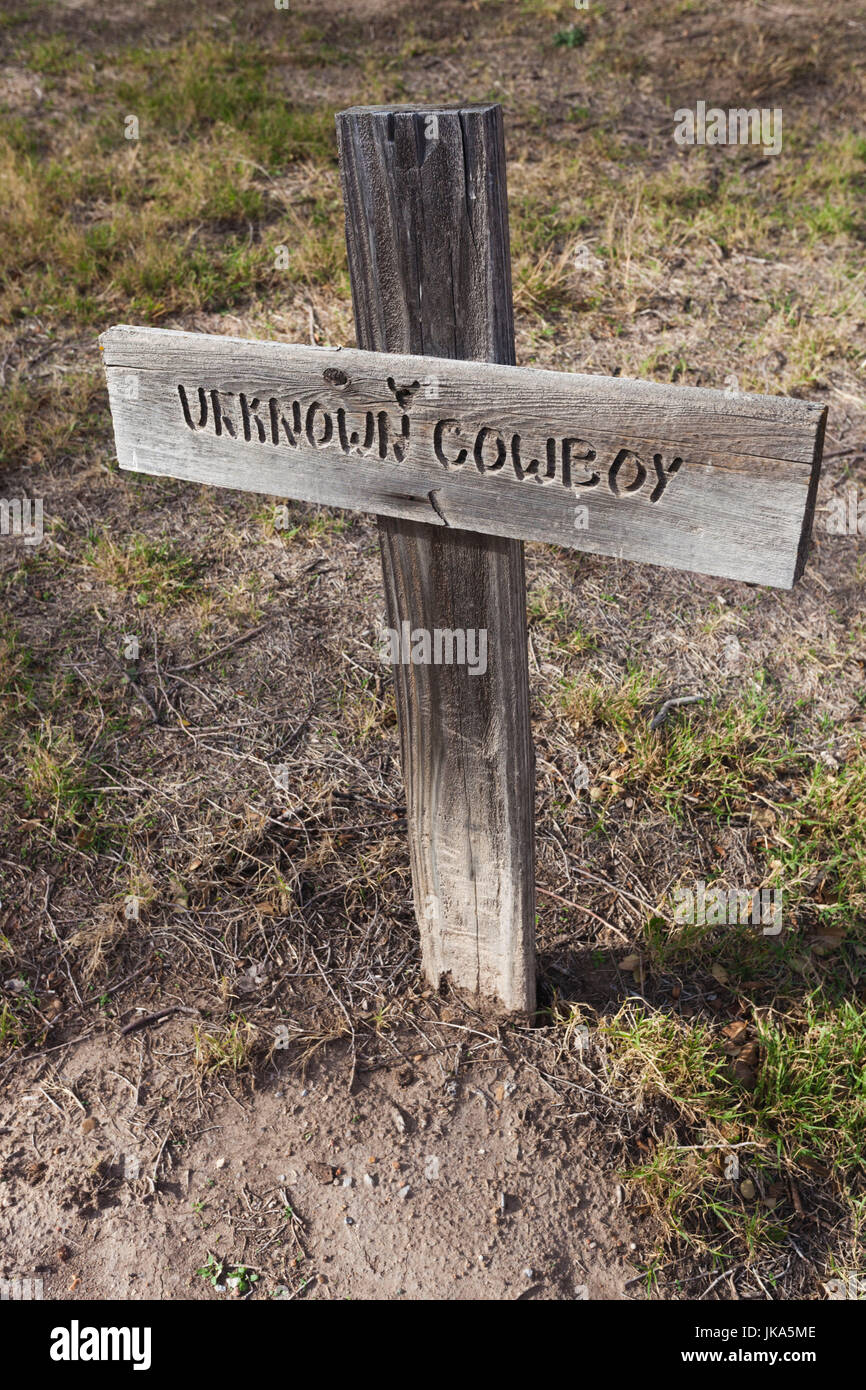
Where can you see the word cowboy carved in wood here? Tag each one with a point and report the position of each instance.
(461, 460)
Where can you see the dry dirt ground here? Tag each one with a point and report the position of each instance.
(425, 1181)
(216, 828)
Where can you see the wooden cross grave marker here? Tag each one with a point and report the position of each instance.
(462, 456)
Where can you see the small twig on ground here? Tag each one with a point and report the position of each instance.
(112, 989)
(710, 1287)
(202, 661)
(130, 680)
(43, 1051)
(578, 907)
(613, 887)
(159, 1156)
(154, 1018)
(668, 705)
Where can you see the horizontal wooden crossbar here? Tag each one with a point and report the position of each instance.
(715, 482)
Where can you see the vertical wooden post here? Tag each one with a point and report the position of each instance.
(427, 233)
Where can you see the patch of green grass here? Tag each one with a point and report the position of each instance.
(714, 755)
(185, 217)
(41, 422)
(638, 214)
(144, 253)
(810, 1098)
(742, 763)
(226, 1049)
(543, 237)
(544, 608)
(555, 622)
(804, 1120)
(199, 86)
(153, 573)
(817, 195)
(17, 672)
(299, 520)
(55, 781)
(587, 699)
(817, 862)
(164, 278)
(574, 36)
(364, 710)
(822, 832)
(55, 56)
(14, 1032)
(827, 182)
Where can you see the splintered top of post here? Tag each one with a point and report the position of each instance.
(420, 109)
(722, 483)
(427, 229)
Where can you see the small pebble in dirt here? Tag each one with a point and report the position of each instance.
(527, 1273)
(371, 1180)
(631, 1245)
(349, 1221)
(221, 1163)
(88, 1125)
(404, 1192)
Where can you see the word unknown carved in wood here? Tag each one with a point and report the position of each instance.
(722, 484)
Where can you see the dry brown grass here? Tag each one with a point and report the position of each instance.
(247, 791)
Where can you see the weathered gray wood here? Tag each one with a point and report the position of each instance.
(739, 504)
(459, 460)
(429, 262)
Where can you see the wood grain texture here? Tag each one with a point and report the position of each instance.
(738, 505)
(460, 459)
(429, 261)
